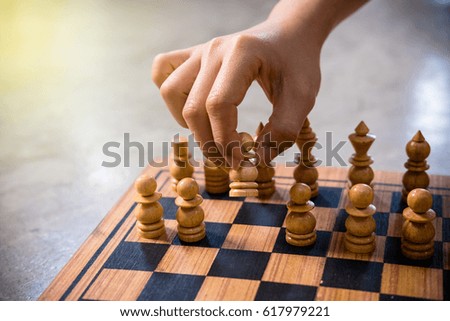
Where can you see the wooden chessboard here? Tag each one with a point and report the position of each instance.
(245, 256)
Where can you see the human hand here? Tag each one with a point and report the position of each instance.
(203, 85)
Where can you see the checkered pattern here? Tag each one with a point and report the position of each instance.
(245, 255)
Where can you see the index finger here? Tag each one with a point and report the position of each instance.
(232, 82)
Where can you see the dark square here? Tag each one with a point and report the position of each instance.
(239, 264)
(339, 224)
(352, 274)
(136, 256)
(445, 229)
(261, 214)
(171, 287)
(381, 220)
(328, 197)
(397, 205)
(269, 291)
(393, 254)
(437, 205)
(320, 248)
(446, 285)
(390, 297)
(222, 196)
(170, 209)
(216, 233)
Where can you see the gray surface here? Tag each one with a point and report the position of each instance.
(74, 75)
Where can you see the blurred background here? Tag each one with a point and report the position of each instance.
(75, 75)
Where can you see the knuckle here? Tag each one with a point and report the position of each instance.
(214, 44)
(214, 103)
(285, 132)
(190, 112)
(167, 89)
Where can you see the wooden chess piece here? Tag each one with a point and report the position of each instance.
(150, 222)
(180, 166)
(416, 176)
(243, 179)
(360, 225)
(300, 223)
(418, 230)
(361, 172)
(217, 179)
(190, 215)
(306, 172)
(266, 183)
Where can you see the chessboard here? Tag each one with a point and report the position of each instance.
(245, 256)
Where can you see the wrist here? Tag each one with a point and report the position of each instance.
(313, 18)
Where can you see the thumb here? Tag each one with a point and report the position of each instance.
(285, 123)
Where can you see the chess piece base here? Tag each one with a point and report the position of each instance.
(193, 234)
(358, 244)
(243, 192)
(301, 240)
(151, 231)
(417, 251)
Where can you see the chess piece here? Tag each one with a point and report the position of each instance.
(180, 166)
(217, 179)
(300, 223)
(360, 225)
(190, 215)
(306, 172)
(243, 179)
(150, 222)
(266, 183)
(418, 230)
(416, 176)
(361, 172)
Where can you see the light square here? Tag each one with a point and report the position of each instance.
(412, 281)
(382, 201)
(336, 294)
(220, 211)
(166, 238)
(395, 225)
(118, 285)
(251, 238)
(337, 249)
(294, 269)
(187, 260)
(227, 289)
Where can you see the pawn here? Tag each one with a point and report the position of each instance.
(150, 223)
(190, 215)
(217, 179)
(360, 225)
(418, 231)
(300, 223)
(244, 177)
